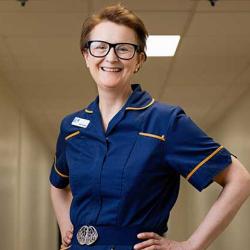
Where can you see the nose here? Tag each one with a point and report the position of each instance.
(111, 56)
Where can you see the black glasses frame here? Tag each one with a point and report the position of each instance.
(112, 45)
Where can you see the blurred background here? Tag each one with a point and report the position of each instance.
(43, 77)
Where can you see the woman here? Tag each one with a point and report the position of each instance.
(124, 153)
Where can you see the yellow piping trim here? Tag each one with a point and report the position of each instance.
(73, 134)
(62, 175)
(203, 162)
(162, 137)
(144, 107)
(88, 111)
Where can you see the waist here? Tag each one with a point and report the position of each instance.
(109, 235)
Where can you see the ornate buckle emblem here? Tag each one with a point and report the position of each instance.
(87, 235)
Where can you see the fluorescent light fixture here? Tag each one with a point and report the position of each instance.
(162, 45)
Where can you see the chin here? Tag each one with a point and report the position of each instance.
(109, 84)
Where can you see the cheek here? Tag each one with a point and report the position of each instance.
(94, 66)
(130, 67)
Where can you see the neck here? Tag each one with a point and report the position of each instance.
(111, 100)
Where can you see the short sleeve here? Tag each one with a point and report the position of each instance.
(59, 175)
(192, 153)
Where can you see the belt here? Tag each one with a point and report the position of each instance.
(108, 235)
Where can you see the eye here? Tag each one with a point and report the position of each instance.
(123, 48)
(99, 45)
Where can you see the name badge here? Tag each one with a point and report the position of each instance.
(80, 122)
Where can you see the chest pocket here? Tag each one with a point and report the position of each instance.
(80, 155)
(158, 137)
(79, 145)
(150, 146)
(80, 150)
(72, 135)
(145, 165)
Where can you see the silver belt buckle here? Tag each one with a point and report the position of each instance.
(87, 235)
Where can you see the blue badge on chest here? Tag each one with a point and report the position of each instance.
(80, 122)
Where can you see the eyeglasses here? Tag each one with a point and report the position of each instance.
(125, 51)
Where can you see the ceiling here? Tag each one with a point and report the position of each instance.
(41, 64)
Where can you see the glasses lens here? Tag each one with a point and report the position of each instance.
(125, 51)
(98, 48)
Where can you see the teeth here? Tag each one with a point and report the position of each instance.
(111, 69)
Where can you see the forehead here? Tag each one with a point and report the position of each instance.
(113, 33)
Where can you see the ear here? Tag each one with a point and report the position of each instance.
(140, 60)
(86, 57)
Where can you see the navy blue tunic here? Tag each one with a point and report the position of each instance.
(126, 180)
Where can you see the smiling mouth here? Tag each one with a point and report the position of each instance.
(114, 69)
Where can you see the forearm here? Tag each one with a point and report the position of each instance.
(220, 215)
(61, 200)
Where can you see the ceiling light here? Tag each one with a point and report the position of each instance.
(162, 45)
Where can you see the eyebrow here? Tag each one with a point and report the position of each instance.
(111, 42)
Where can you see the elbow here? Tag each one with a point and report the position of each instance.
(244, 182)
(240, 176)
(248, 184)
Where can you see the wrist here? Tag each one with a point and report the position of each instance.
(64, 227)
(190, 245)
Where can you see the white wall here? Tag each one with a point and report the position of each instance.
(232, 131)
(26, 219)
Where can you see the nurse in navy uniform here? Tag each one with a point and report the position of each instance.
(124, 153)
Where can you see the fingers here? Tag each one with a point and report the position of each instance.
(153, 242)
(153, 247)
(149, 235)
(71, 228)
(63, 247)
(67, 238)
(69, 234)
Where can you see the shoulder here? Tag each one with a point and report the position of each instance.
(68, 119)
(162, 115)
(166, 110)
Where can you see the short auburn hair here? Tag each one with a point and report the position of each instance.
(117, 14)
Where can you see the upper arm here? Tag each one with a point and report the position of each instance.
(59, 175)
(192, 153)
(234, 172)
